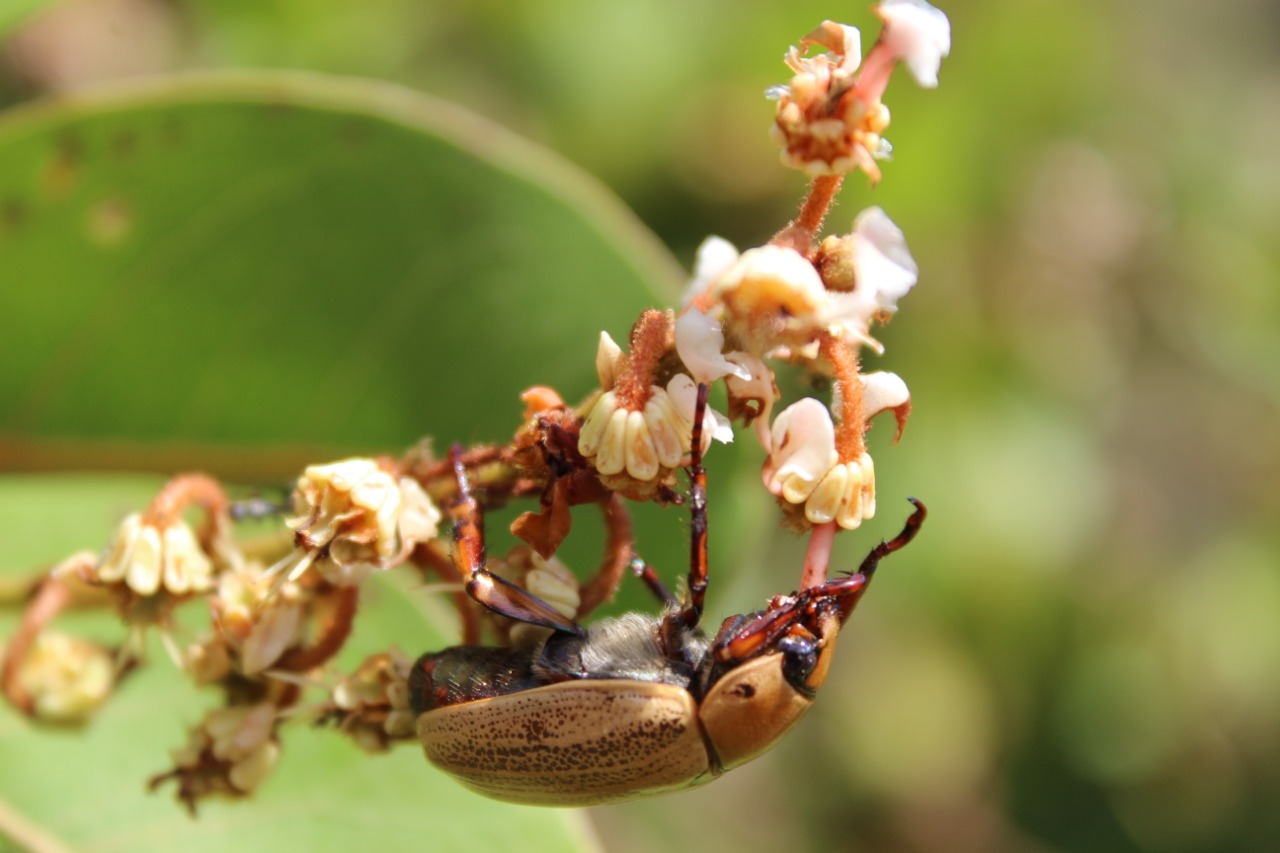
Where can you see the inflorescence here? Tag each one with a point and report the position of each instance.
(280, 610)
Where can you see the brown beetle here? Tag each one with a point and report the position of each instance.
(632, 706)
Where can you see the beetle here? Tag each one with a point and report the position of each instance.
(631, 706)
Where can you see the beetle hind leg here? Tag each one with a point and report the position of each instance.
(498, 595)
(884, 549)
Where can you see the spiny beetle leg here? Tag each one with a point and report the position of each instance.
(500, 596)
(884, 549)
(650, 579)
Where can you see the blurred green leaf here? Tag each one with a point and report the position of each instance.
(277, 260)
(291, 258)
(14, 12)
(86, 790)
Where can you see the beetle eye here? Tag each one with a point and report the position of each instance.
(799, 659)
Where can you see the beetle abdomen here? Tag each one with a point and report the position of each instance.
(576, 743)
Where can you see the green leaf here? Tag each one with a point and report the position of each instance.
(86, 789)
(293, 258)
(261, 262)
(14, 12)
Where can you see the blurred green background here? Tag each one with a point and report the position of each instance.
(1081, 652)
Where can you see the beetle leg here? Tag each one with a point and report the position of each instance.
(698, 510)
(500, 596)
(650, 579)
(884, 549)
(677, 622)
(746, 637)
(849, 599)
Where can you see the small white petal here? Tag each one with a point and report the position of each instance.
(919, 36)
(592, 432)
(116, 560)
(641, 455)
(803, 444)
(419, 516)
(185, 568)
(608, 360)
(700, 343)
(715, 255)
(718, 427)
(247, 774)
(684, 396)
(884, 272)
(868, 486)
(144, 570)
(882, 391)
(669, 431)
(275, 629)
(883, 264)
(611, 458)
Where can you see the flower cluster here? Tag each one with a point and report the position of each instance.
(353, 518)
(830, 118)
(280, 608)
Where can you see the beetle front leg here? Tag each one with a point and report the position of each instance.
(500, 596)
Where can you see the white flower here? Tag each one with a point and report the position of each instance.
(714, 257)
(918, 35)
(700, 344)
(146, 558)
(803, 450)
(751, 397)
(372, 703)
(66, 678)
(804, 469)
(645, 443)
(821, 129)
(254, 617)
(235, 745)
(548, 579)
(772, 296)
(355, 518)
(882, 272)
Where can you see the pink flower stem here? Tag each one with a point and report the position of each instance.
(818, 557)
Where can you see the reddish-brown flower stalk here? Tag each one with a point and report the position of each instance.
(650, 340)
(187, 490)
(850, 444)
(51, 597)
(800, 233)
